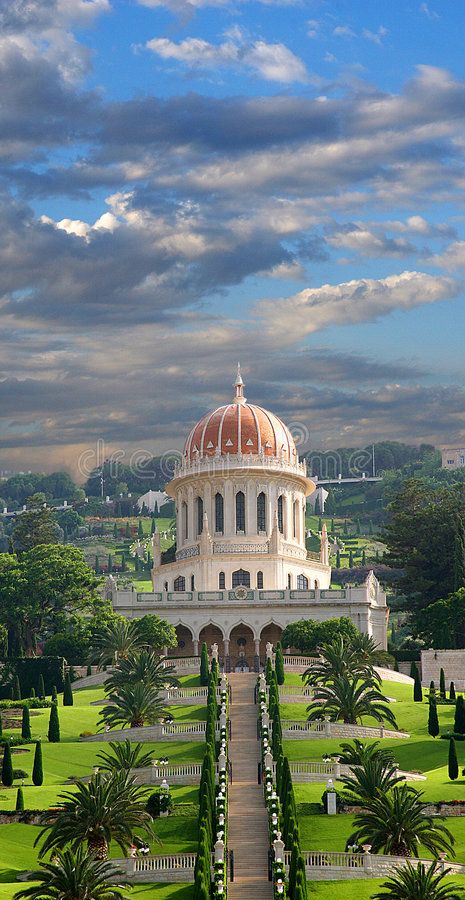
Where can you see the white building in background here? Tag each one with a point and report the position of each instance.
(242, 571)
(152, 499)
(453, 457)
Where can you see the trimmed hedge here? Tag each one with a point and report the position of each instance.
(29, 670)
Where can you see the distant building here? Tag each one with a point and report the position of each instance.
(453, 457)
(152, 498)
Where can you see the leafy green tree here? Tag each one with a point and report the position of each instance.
(7, 765)
(279, 664)
(204, 667)
(26, 724)
(124, 756)
(442, 623)
(306, 635)
(155, 633)
(419, 882)
(37, 525)
(459, 717)
(67, 691)
(37, 768)
(19, 807)
(74, 876)
(54, 725)
(107, 808)
(442, 684)
(453, 766)
(433, 721)
(395, 824)
(73, 647)
(134, 705)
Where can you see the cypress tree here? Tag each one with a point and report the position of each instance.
(279, 664)
(54, 725)
(140, 529)
(26, 724)
(452, 694)
(413, 669)
(204, 668)
(351, 559)
(453, 765)
(16, 695)
(89, 670)
(54, 697)
(110, 563)
(37, 769)
(67, 691)
(96, 566)
(7, 766)
(41, 687)
(269, 671)
(32, 692)
(115, 530)
(292, 877)
(19, 800)
(127, 530)
(364, 557)
(338, 559)
(459, 718)
(442, 685)
(417, 691)
(433, 722)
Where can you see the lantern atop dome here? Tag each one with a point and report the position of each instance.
(239, 387)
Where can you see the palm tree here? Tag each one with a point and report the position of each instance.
(74, 876)
(358, 753)
(106, 808)
(396, 824)
(133, 705)
(343, 656)
(141, 666)
(115, 640)
(374, 776)
(126, 756)
(418, 883)
(348, 698)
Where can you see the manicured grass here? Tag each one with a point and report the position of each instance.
(189, 713)
(138, 892)
(354, 890)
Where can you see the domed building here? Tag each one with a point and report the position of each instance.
(240, 506)
(241, 571)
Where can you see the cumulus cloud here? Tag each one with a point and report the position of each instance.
(360, 300)
(452, 258)
(273, 62)
(366, 242)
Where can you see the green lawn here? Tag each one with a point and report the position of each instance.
(138, 892)
(353, 890)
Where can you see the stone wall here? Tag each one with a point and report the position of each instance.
(453, 663)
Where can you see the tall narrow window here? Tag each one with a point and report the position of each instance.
(219, 513)
(302, 583)
(289, 582)
(260, 580)
(261, 512)
(240, 577)
(180, 583)
(296, 518)
(199, 504)
(192, 582)
(185, 532)
(221, 581)
(240, 511)
(281, 514)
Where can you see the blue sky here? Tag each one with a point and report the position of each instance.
(187, 184)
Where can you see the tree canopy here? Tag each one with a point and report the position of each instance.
(307, 635)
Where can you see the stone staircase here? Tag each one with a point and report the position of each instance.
(248, 825)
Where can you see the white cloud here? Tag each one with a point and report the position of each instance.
(344, 31)
(106, 222)
(452, 258)
(361, 300)
(363, 241)
(429, 13)
(376, 37)
(273, 62)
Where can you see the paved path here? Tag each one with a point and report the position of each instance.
(248, 825)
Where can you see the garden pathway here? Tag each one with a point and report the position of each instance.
(248, 824)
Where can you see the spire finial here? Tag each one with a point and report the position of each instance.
(239, 387)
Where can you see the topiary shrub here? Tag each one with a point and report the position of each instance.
(158, 802)
(37, 769)
(26, 724)
(67, 691)
(19, 773)
(19, 800)
(54, 725)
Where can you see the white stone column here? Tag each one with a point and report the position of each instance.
(196, 647)
(250, 491)
(288, 512)
(207, 505)
(229, 511)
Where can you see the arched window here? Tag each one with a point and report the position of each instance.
(289, 583)
(219, 513)
(260, 580)
(221, 581)
(192, 582)
(281, 514)
(165, 586)
(184, 525)
(240, 512)
(199, 505)
(302, 583)
(180, 583)
(261, 512)
(296, 518)
(240, 577)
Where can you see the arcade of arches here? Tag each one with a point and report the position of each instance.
(237, 650)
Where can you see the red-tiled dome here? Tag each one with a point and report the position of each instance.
(240, 427)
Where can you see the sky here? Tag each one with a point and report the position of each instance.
(185, 185)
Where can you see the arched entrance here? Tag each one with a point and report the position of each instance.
(185, 645)
(242, 649)
(211, 634)
(270, 633)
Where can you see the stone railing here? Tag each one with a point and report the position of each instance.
(301, 729)
(183, 663)
(177, 867)
(305, 771)
(328, 865)
(294, 693)
(188, 773)
(224, 463)
(168, 731)
(298, 663)
(186, 696)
